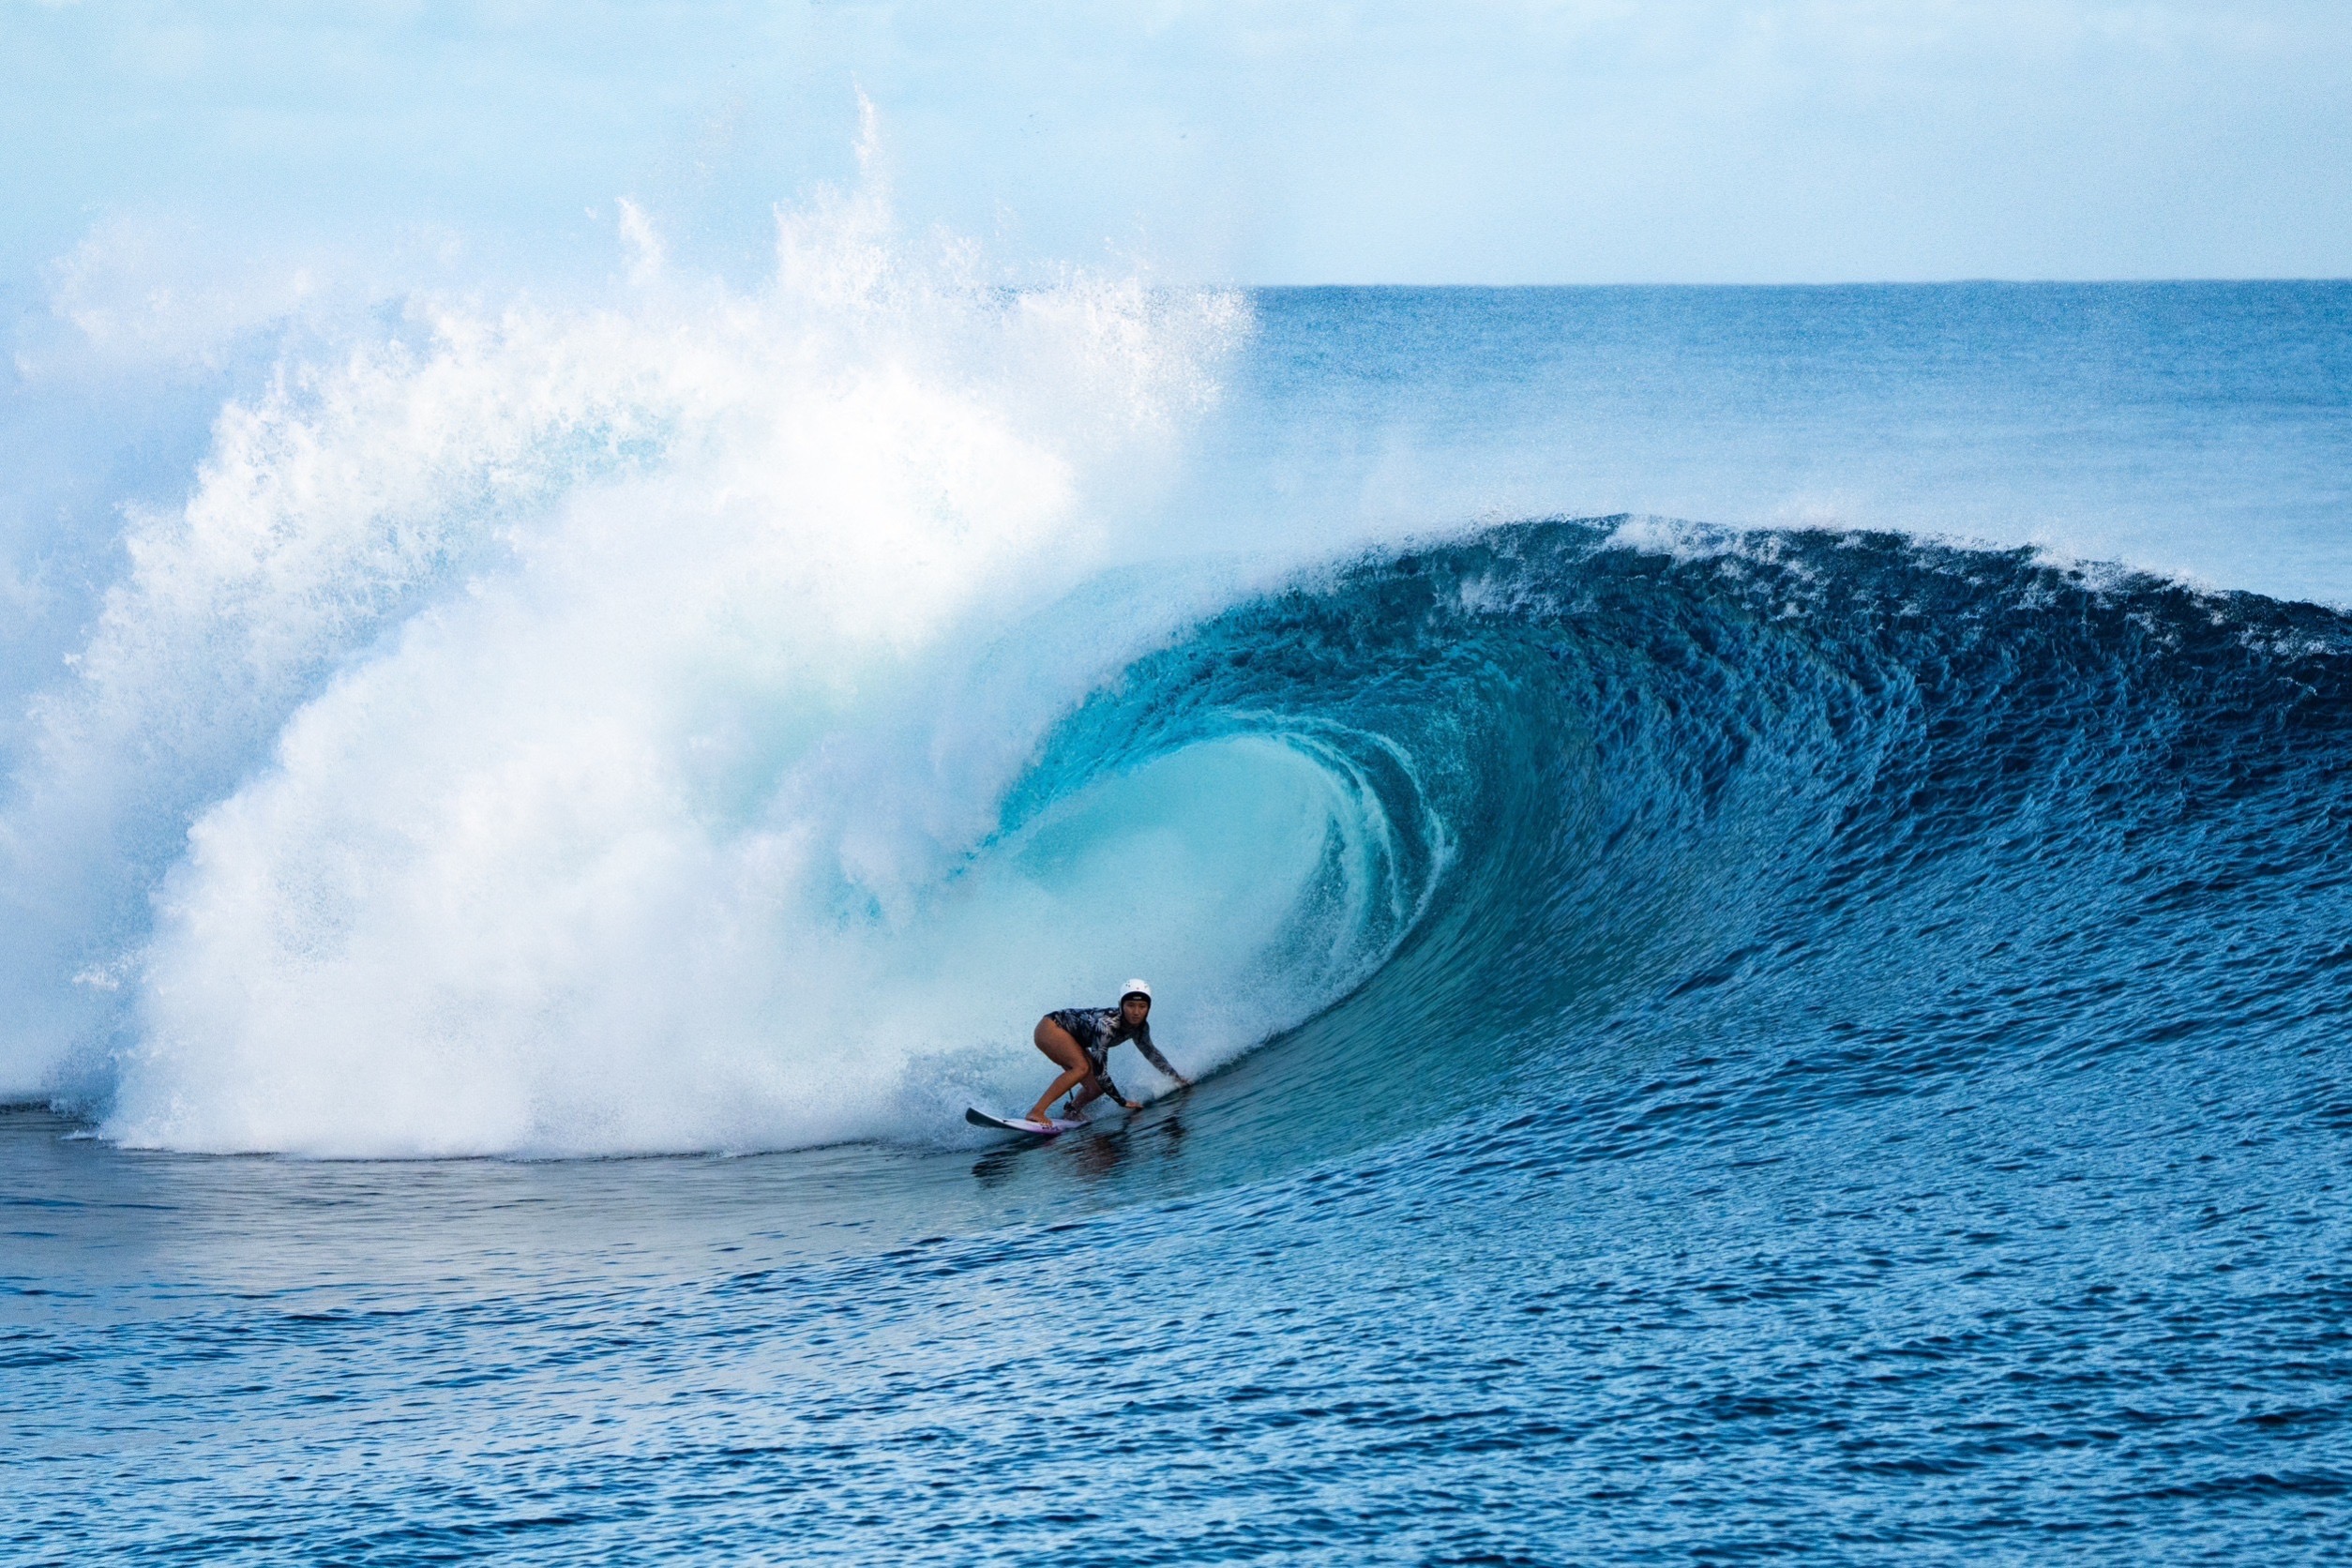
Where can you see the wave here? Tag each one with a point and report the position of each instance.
(725, 721)
(1866, 813)
(1438, 821)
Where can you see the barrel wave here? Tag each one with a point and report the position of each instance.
(723, 719)
(1412, 834)
(1445, 823)
(1873, 815)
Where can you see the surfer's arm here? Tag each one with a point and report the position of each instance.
(1102, 1079)
(1152, 1054)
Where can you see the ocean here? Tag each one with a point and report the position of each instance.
(1756, 882)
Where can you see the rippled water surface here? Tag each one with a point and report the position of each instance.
(1810, 1043)
(2041, 1314)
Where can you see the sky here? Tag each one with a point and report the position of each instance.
(1256, 142)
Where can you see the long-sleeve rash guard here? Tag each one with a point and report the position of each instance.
(1098, 1029)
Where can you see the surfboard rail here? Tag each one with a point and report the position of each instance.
(1052, 1127)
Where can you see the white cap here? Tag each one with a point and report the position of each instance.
(1136, 987)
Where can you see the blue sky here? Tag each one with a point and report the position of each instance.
(1582, 140)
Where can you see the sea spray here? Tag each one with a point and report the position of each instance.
(569, 713)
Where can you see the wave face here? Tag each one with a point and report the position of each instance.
(1905, 811)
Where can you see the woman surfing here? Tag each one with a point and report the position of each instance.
(1079, 1040)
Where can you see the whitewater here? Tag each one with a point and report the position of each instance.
(1755, 878)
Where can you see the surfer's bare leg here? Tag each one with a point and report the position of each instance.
(1062, 1050)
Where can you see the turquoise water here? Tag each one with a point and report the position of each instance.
(1719, 1038)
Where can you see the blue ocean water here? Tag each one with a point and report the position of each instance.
(1758, 880)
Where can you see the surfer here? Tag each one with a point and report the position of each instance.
(1078, 1040)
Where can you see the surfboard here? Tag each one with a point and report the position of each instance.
(1053, 1127)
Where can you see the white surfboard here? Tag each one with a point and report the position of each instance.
(1050, 1128)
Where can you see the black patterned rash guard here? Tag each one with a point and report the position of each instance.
(1098, 1029)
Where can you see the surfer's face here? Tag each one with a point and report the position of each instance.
(1136, 1009)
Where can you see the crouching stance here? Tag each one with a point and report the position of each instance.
(1078, 1040)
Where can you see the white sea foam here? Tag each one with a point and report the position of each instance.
(585, 720)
